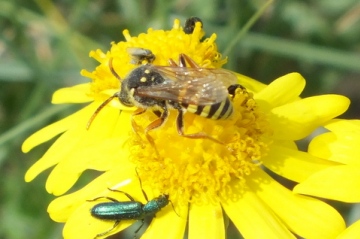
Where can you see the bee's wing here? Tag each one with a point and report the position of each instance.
(198, 86)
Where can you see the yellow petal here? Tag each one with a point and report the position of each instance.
(254, 219)
(79, 138)
(340, 183)
(82, 225)
(99, 156)
(306, 217)
(206, 221)
(293, 164)
(283, 90)
(168, 224)
(123, 177)
(298, 119)
(344, 127)
(56, 152)
(338, 148)
(56, 128)
(351, 232)
(249, 83)
(340, 145)
(74, 94)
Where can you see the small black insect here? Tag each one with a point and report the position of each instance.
(139, 55)
(190, 24)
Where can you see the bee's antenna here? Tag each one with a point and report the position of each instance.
(109, 99)
(100, 108)
(112, 69)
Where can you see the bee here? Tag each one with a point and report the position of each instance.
(185, 87)
(138, 55)
(190, 24)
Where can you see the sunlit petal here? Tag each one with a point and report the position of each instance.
(254, 219)
(74, 94)
(293, 164)
(305, 216)
(206, 221)
(338, 183)
(298, 119)
(277, 93)
(351, 232)
(168, 224)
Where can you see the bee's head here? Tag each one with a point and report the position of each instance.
(142, 76)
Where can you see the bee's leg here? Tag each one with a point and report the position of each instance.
(136, 127)
(106, 232)
(199, 135)
(232, 89)
(182, 61)
(184, 58)
(156, 124)
(172, 62)
(157, 113)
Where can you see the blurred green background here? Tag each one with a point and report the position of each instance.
(44, 45)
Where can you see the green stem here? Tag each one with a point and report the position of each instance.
(246, 27)
(302, 51)
(31, 122)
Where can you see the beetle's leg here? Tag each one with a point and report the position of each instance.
(199, 135)
(107, 231)
(126, 194)
(137, 230)
(113, 199)
(109, 198)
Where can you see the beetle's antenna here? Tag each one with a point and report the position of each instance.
(145, 196)
(174, 208)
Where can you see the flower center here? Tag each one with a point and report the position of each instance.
(187, 169)
(200, 170)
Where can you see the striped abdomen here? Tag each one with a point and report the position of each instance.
(221, 110)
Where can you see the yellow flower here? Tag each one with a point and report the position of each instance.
(351, 232)
(340, 145)
(205, 179)
(340, 182)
